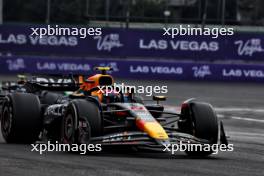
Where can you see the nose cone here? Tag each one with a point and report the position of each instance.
(154, 129)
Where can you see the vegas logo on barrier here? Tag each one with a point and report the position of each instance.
(249, 47)
(201, 71)
(108, 42)
(15, 65)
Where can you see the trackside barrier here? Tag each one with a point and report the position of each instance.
(170, 70)
(142, 43)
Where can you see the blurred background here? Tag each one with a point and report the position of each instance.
(227, 72)
(132, 33)
(233, 12)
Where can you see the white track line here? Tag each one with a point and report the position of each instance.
(239, 109)
(247, 119)
(231, 109)
(241, 118)
(246, 133)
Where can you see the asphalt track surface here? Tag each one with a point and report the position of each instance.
(240, 106)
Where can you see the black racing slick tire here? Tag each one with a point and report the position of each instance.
(82, 120)
(200, 120)
(21, 118)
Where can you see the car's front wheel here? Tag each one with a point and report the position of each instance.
(81, 121)
(200, 120)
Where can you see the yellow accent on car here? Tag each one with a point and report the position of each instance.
(81, 79)
(159, 98)
(155, 130)
(103, 68)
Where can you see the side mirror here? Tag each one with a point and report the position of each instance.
(159, 98)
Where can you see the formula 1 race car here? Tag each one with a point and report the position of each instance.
(34, 110)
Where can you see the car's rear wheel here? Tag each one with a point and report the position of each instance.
(199, 120)
(21, 118)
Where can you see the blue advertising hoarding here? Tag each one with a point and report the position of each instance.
(130, 43)
(171, 70)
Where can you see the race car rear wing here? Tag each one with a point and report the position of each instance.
(56, 86)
